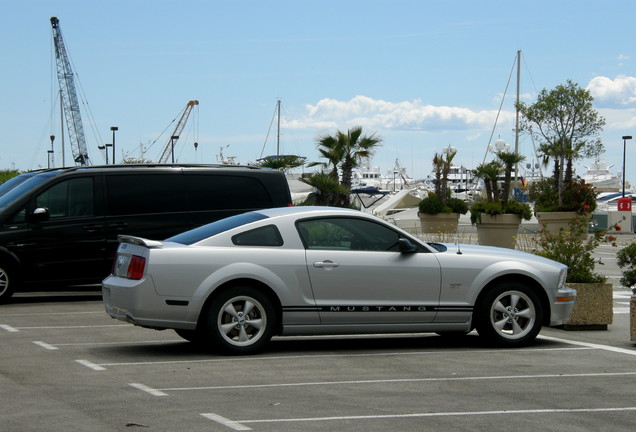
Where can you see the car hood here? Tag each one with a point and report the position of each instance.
(502, 254)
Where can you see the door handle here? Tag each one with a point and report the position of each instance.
(91, 228)
(326, 264)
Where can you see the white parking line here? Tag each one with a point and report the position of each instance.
(45, 345)
(277, 358)
(9, 328)
(91, 365)
(590, 345)
(71, 327)
(49, 313)
(432, 414)
(147, 389)
(390, 381)
(226, 422)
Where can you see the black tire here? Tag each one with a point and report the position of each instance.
(240, 320)
(9, 281)
(510, 315)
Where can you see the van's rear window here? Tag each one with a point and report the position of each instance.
(214, 228)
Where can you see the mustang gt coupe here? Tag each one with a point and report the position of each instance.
(235, 283)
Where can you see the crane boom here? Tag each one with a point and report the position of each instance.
(69, 98)
(169, 148)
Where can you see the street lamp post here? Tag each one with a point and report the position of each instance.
(105, 148)
(174, 137)
(625, 138)
(114, 128)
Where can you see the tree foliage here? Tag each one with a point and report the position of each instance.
(567, 126)
(343, 152)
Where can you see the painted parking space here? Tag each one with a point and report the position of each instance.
(397, 382)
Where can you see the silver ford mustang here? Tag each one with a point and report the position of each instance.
(235, 283)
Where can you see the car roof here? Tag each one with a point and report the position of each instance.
(309, 211)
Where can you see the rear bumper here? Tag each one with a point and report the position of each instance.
(136, 302)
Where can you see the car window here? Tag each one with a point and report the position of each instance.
(133, 194)
(264, 236)
(68, 198)
(222, 192)
(203, 232)
(347, 234)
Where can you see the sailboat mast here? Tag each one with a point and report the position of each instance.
(517, 112)
(278, 129)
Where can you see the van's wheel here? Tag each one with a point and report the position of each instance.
(9, 281)
(240, 320)
(510, 315)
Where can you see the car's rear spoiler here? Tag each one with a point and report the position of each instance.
(139, 241)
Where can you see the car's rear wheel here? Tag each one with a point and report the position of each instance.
(240, 320)
(510, 315)
(9, 281)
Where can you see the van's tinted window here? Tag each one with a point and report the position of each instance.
(143, 194)
(222, 192)
(68, 198)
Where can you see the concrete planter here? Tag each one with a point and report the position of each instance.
(593, 307)
(439, 223)
(498, 230)
(632, 318)
(554, 222)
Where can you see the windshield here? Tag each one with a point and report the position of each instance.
(22, 185)
(214, 228)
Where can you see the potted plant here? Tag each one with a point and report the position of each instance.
(578, 198)
(498, 218)
(626, 259)
(593, 307)
(439, 212)
(437, 216)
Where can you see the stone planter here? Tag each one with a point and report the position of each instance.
(498, 230)
(593, 307)
(554, 222)
(632, 318)
(439, 223)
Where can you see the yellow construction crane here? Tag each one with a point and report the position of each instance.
(168, 151)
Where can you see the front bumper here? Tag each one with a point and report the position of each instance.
(562, 306)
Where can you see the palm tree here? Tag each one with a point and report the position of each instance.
(344, 151)
(489, 172)
(282, 162)
(328, 190)
(509, 160)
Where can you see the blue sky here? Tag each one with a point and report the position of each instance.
(420, 74)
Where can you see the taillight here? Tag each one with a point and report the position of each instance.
(129, 266)
(136, 267)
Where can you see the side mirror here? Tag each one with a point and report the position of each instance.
(406, 246)
(39, 215)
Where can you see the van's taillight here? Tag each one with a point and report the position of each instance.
(129, 266)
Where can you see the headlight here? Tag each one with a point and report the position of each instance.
(562, 277)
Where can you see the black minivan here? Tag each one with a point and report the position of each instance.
(59, 227)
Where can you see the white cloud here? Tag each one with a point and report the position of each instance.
(407, 115)
(618, 92)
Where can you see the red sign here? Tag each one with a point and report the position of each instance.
(625, 204)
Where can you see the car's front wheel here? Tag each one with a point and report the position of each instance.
(510, 315)
(240, 320)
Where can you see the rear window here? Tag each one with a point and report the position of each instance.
(214, 228)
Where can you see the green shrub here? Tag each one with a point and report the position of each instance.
(626, 258)
(497, 208)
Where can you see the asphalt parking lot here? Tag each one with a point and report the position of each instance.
(65, 365)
